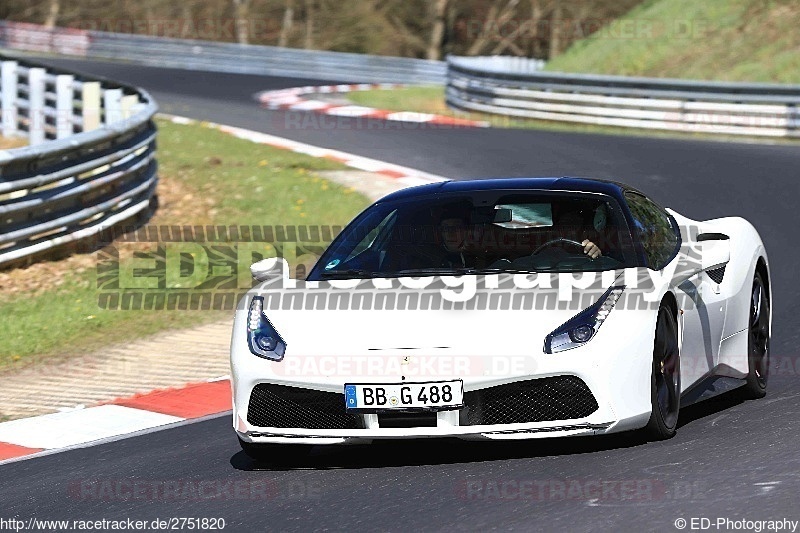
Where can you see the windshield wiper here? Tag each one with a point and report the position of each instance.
(445, 271)
(460, 271)
(348, 273)
(502, 271)
(411, 272)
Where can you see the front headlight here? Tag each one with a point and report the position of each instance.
(582, 328)
(262, 337)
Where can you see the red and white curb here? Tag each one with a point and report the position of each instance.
(123, 416)
(297, 99)
(404, 175)
(126, 416)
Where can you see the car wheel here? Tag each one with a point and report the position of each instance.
(665, 378)
(274, 453)
(757, 342)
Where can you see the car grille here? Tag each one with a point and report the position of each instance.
(407, 420)
(536, 400)
(716, 274)
(278, 406)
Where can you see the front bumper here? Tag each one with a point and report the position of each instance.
(277, 436)
(615, 367)
(522, 409)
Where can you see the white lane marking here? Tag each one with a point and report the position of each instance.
(309, 105)
(69, 428)
(351, 111)
(294, 97)
(284, 100)
(182, 120)
(767, 486)
(410, 116)
(180, 423)
(351, 160)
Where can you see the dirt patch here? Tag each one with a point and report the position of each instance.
(7, 143)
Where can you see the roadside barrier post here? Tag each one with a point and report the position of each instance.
(36, 120)
(112, 102)
(8, 92)
(64, 105)
(91, 105)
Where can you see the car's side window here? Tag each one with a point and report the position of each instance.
(654, 229)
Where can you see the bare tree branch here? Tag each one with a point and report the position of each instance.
(310, 8)
(52, 13)
(415, 41)
(437, 32)
(242, 15)
(492, 26)
(286, 25)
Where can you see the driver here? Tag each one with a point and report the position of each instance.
(570, 224)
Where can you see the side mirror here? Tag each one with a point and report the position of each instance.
(715, 249)
(270, 268)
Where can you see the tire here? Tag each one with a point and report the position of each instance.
(274, 453)
(665, 378)
(757, 342)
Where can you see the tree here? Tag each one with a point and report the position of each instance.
(52, 14)
(286, 25)
(242, 16)
(439, 10)
(411, 28)
(308, 41)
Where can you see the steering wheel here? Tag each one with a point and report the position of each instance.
(571, 242)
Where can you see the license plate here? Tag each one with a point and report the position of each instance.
(435, 395)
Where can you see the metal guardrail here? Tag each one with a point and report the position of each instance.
(514, 90)
(99, 169)
(221, 57)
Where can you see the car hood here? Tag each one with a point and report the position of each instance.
(464, 331)
(495, 319)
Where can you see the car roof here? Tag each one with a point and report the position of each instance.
(611, 188)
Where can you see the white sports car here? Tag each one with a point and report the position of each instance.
(502, 309)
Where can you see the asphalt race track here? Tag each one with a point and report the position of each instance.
(729, 459)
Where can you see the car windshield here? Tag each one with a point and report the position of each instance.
(481, 232)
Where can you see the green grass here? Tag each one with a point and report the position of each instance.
(733, 40)
(421, 99)
(245, 184)
(66, 321)
(251, 183)
(430, 99)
